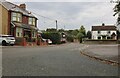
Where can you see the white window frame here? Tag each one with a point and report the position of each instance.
(32, 21)
(33, 34)
(16, 17)
(19, 31)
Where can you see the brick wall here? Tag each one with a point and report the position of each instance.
(24, 19)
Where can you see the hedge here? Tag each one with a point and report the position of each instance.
(55, 37)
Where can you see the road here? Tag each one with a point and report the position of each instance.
(61, 60)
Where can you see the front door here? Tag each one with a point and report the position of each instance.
(27, 35)
(104, 37)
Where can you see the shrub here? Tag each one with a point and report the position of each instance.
(70, 38)
(53, 36)
(80, 37)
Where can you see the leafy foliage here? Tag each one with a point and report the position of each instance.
(117, 11)
(89, 34)
(80, 36)
(75, 32)
(82, 30)
(53, 36)
(51, 30)
(70, 38)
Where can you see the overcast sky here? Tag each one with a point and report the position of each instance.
(72, 15)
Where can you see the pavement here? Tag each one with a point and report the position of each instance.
(106, 53)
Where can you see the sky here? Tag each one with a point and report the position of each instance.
(71, 15)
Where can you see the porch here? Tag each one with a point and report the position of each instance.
(24, 34)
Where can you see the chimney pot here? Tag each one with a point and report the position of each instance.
(23, 6)
(103, 24)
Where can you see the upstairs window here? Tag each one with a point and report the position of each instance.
(16, 17)
(32, 21)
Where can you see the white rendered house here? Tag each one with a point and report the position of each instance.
(104, 32)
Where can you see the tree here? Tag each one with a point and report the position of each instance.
(80, 36)
(69, 32)
(75, 32)
(51, 30)
(117, 11)
(61, 30)
(82, 30)
(89, 34)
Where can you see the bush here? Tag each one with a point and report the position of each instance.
(53, 36)
(70, 38)
(18, 40)
(80, 37)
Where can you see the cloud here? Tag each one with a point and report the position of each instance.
(72, 14)
(59, 0)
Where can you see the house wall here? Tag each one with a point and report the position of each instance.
(95, 34)
(24, 19)
(9, 23)
(0, 19)
(3, 20)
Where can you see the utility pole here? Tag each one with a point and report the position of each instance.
(56, 26)
(64, 27)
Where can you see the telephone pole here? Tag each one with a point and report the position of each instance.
(56, 26)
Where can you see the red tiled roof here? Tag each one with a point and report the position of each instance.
(96, 28)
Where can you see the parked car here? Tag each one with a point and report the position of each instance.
(49, 41)
(63, 40)
(7, 40)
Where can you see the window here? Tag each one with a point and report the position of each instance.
(99, 32)
(108, 32)
(19, 32)
(19, 17)
(99, 38)
(16, 17)
(108, 37)
(33, 34)
(32, 21)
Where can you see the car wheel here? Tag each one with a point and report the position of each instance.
(4, 43)
(12, 44)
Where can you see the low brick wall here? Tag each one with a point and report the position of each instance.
(100, 42)
(19, 41)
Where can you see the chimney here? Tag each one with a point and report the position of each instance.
(23, 6)
(103, 24)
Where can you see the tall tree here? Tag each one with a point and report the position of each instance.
(82, 30)
(89, 34)
(80, 36)
(117, 11)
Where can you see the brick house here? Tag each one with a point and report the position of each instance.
(19, 22)
(104, 32)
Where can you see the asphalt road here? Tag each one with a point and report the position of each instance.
(61, 60)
